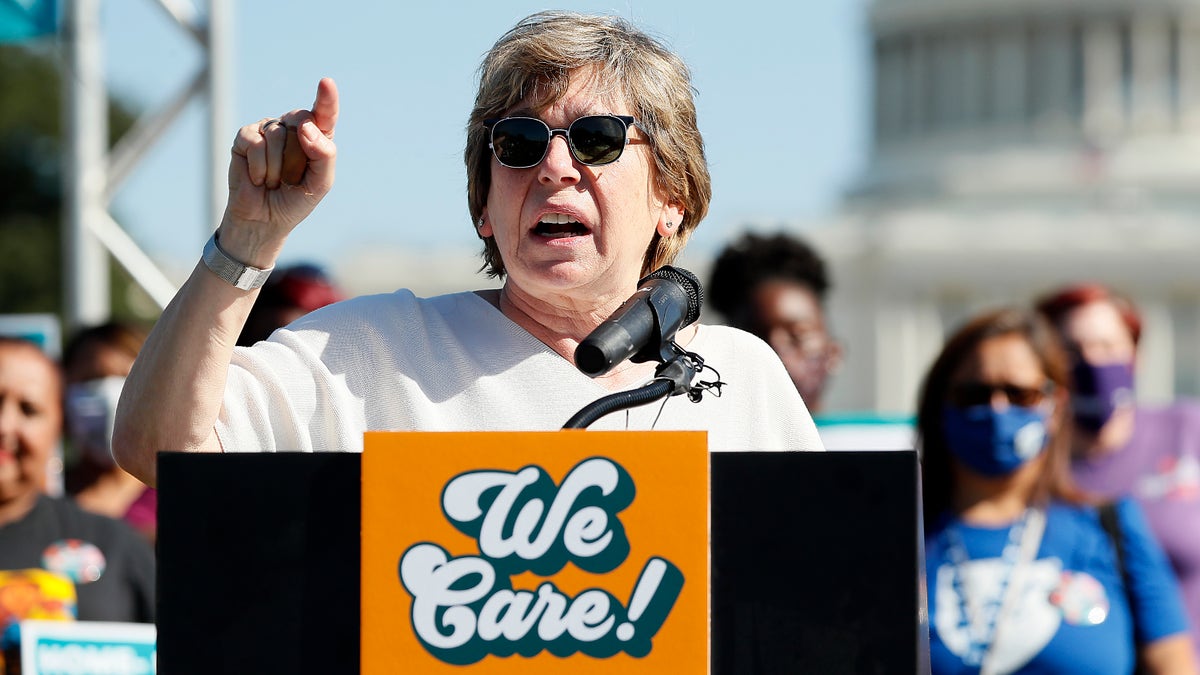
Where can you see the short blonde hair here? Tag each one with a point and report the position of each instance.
(533, 64)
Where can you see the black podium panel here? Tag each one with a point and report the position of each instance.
(258, 563)
(815, 562)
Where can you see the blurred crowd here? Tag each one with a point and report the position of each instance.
(1060, 513)
(88, 555)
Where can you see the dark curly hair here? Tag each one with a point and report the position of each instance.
(755, 258)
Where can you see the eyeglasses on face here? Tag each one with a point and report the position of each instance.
(798, 338)
(594, 140)
(968, 394)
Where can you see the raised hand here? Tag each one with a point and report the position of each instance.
(280, 170)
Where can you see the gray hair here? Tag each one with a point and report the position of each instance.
(533, 64)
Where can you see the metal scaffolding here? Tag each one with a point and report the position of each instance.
(93, 174)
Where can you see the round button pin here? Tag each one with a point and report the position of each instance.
(78, 560)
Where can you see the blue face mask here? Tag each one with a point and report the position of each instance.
(994, 443)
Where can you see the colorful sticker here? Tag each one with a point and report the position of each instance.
(1081, 598)
(78, 560)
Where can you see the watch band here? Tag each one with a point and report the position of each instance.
(236, 273)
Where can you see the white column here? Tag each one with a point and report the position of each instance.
(907, 335)
(889, 92)
(917, 91)
(220, 84)
(946, 84)
(1189, 72)
(1156, 353)
(973, 54)
(1010, 103)
(1051, 85)
(850, 319)
(1185, 314)
(86, 286)
(1103, 111)
(959, 80)
(1151, 111)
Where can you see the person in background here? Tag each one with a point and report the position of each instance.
(95, 363)
(1151, 453)
(289, 293)
(1024, 576)
(109, 564)
(775, 287)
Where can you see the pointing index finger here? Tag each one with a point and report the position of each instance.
(325, 107)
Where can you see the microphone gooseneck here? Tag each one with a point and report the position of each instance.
(643, 328)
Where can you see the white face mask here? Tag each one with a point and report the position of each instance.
(90, 409)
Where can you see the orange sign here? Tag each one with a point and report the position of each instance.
(535, 552)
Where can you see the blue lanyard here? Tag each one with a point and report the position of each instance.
(982, 632)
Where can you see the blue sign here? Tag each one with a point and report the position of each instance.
(24, 19)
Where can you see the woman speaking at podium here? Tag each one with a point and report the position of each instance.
(585, 172)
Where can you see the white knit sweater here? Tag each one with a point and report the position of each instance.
(455, 363)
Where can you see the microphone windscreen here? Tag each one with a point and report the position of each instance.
(689, 282)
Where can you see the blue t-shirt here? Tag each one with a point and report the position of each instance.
(1072, 614)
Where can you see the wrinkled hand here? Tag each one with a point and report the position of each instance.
(264, 207)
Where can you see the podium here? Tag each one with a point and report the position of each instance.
(815, 563)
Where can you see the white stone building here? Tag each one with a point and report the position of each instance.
(1020, 144)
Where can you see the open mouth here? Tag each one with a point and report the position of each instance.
(559, 225)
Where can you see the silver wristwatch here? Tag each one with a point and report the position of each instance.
(237, 273)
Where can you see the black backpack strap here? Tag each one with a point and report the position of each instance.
(1112, 526)
(1108, 520)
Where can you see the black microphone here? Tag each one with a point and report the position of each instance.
(666, 300)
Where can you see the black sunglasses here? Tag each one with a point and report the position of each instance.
(523, 142)
(968, 394)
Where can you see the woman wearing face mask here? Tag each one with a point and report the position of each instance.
(1149, 453)
(1022, 575)
(95, 363)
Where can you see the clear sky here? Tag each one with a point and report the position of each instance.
(782, 100)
